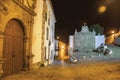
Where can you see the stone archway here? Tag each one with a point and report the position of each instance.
(13, 48)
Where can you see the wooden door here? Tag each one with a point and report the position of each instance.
(13, 48)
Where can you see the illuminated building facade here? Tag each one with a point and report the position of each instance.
(26, 34)
(43, 33)
(61, 49)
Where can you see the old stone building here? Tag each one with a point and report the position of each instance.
(84, 40)
(22, 34)
(16, 23)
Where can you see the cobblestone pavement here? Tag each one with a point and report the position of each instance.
(64, 70)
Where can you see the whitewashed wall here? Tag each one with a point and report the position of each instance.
(51, 20)
(71, 41)
(99, 39)
(37, 29)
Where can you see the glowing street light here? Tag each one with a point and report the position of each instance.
(112, 32)
(63, 46)
(58, 37)
(102, 9)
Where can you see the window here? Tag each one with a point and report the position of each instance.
(45, 16)
(47, 34)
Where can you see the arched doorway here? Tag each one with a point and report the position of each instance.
(13, 48)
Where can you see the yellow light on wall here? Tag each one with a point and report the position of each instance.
(61, 54)
(112, 32)
(62, 46)
(62, 50)
(101, 9)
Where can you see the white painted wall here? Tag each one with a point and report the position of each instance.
(37, 32)
(51, 31)
(50, 16)
(71, 41)
(99, 39)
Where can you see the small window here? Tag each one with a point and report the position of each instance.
(46, 16)
(47, 34)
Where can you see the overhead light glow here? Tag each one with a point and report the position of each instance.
(112, 32)
(101, 9)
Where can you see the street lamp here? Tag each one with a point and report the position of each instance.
(113, 33)
(58, 37)
(101, 9)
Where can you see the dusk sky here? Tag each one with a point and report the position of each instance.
(71, 14)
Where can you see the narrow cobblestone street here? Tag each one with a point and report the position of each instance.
(102, 69)
(80, 71)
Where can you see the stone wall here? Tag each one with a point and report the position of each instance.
(84, 40)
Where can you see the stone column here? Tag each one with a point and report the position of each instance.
(28, 54)
(2, 60)
(28, 60)
(30, 45)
